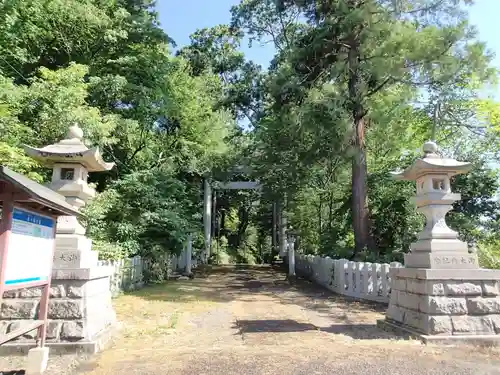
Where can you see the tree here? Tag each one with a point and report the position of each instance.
(53, 34)
(216, 50)
(368, 49)
(39, 114)
(148, 213)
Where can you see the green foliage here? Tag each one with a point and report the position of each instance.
(352, 75)
(15, 159)
(264, 248)
(489, 253)
(54, 33)
(358, 66)
(248, 252)
(353, 91)
(58, 98)
(395, 221)
(475, 215)
(220, 252)
(109, 250)
(146, 213)
(232, 220)
(216, 50)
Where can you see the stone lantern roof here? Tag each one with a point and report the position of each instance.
(432, 163)
(70, 150)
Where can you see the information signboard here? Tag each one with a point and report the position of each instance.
(31, 245)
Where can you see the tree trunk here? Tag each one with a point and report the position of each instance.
(275, 231)
(320, 216)
(360, 212)
(330, 210)
(243, 225)
(223, 223)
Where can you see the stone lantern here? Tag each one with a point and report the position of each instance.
(441, 294)
(437, 246)
(81, 315)
(71, 161)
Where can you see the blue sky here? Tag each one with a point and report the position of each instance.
(181, 18)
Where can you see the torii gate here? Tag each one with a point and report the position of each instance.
(209, 186)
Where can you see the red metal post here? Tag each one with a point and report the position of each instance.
(44, 301)
(5, 230)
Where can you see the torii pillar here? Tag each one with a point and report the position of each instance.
(207, 219)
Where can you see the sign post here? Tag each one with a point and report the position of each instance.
(27, 232)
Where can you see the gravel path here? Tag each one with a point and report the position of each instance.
(251, 321)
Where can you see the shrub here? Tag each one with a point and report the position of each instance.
(489, 254)
(109, 251)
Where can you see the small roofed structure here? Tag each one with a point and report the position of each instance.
(432, 163)
(20, 189)
(71, 161)
(71, 148)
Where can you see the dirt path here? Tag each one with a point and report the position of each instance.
(251, 321)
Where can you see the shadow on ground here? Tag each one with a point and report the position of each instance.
(355, 331)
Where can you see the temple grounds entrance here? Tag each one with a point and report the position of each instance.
(249, 320)
(280, 231)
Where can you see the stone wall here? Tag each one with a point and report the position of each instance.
(446, 307)
(78, 310)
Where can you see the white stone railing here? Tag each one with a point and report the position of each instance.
(362, 280)
(128, 274)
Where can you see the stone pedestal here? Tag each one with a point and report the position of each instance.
(74, 251)
(445, 304)
(81, 316)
